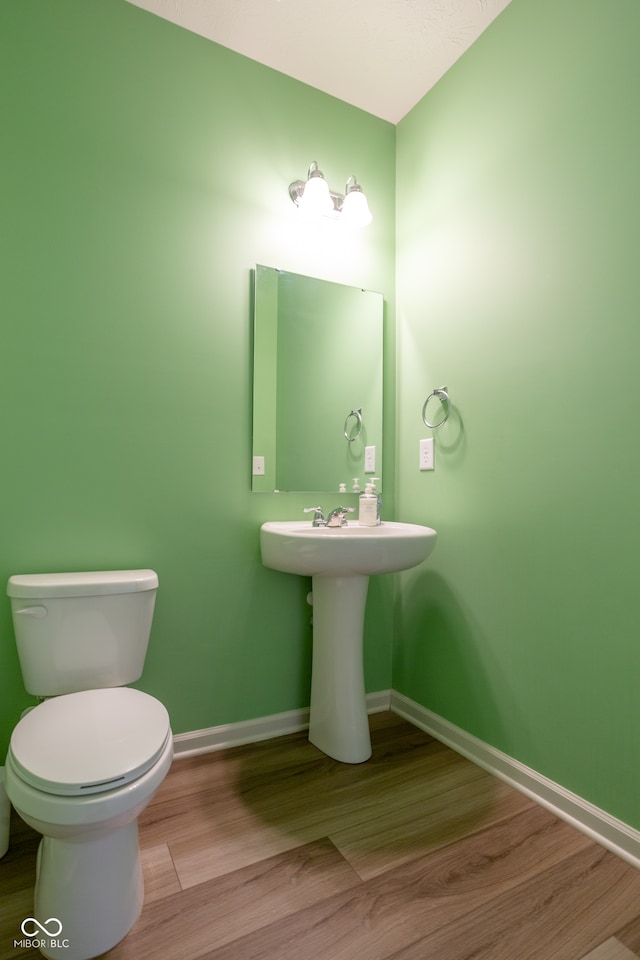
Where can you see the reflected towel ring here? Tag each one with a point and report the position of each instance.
(443, 396)
(358, 415)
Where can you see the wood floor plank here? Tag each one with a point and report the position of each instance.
(629, 935)
(398, 907)
(557, 915)
(405, 830)
(222, 911)
(226, 845)
(611, 949)
(159, 873)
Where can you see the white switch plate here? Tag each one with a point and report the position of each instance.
(258, 467)
(369, 459)
(426, 454)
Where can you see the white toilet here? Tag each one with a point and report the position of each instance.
(83, 765)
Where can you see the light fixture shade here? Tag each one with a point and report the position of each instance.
(355, 209)
(316, 199)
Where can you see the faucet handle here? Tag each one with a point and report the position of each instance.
(318, 516)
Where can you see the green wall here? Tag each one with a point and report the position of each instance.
(145, 173)
(517, 286)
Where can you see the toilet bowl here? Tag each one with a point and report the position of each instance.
(80, 769)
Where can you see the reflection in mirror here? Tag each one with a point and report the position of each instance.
(317, 371)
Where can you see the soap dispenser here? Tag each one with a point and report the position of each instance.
(368, 507)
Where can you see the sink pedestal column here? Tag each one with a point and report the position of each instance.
(338, 722)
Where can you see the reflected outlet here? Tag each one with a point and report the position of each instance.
(369, 459)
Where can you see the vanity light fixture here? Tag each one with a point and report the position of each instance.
(314, 198)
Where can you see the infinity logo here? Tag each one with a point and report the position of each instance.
(53, 932)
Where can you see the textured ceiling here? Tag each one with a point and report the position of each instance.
(380, 55)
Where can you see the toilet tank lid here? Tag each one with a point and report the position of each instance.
(85, 584)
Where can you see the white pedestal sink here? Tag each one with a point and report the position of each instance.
(340, 561)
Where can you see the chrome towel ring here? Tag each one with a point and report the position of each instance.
(358, 415)
(443, 396)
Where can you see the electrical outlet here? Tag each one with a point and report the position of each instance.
(426, 454)
(369, 459)
(258, 467)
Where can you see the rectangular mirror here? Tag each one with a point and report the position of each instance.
(317, 383)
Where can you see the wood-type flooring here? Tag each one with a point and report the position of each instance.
(272, 851)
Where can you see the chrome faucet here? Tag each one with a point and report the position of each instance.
(318, 516)
(337, 517)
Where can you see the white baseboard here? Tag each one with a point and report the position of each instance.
(262, 728)
(606, 830)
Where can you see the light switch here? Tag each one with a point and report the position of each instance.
(258, 467)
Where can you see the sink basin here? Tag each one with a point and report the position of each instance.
(294, 546)
(340, 561)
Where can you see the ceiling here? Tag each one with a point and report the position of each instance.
(379, 55)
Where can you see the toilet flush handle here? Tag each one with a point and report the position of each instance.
(38, 612)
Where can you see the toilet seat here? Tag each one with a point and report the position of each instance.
(89, 742)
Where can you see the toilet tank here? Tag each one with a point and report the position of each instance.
(82, 631)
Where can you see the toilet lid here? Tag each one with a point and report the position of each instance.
(91, 741)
